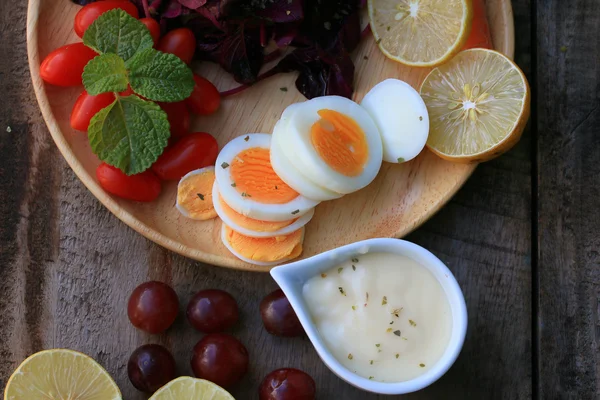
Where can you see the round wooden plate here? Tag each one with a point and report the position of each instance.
(399, 200)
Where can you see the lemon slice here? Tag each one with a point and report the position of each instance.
(420, 33)
(185, 388)
(478, 106)
(61, 374)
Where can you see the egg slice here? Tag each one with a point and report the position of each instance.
(194, 194)
(254, 227)
(334, 142)
(263, 251)
(292, 175)
(250, 186)
(401, 116)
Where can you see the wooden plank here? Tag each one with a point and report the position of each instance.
(67, 265)
(568, 77)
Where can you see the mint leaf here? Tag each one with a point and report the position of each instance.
(129, 134)
(105, 73)
(160, 76)
(119, 33)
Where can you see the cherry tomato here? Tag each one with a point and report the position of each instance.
(127, 92)
(141, 187)
(64, 66)
(150, 367)
(88, 14)
(193, 151)
(153, 307)
(287, 384)
(153, 27)
(178, 116)
(480, 31)
(180, 42)
(86, 107)
(278, 315)
(205, 98)
(220, 358)
(212, 310)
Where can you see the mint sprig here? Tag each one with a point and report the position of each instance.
(105, 73)
(160, 76)
(119, 33)
(130, 134)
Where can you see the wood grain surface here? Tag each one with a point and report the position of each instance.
(67, 264)
(568, 193)
(401, 198)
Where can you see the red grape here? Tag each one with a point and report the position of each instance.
(212, 311)
(287, 384)
(220, 358)
(153, 307)
(278, 315)
(150, 367)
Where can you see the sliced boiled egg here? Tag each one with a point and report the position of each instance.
(291, 175)
(194, 194)
(250, 186)
(401, 116)
(254, 227)
(334, 142)
(263, 251)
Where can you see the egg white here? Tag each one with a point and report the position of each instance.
(402, 118)
(249, 261)
(297, 146)
(246, 205)
(299, 223)
(290, 174)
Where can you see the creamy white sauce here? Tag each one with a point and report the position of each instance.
(391, 339)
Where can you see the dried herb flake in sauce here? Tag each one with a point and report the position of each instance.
(350, 356)
(341, 289)
(354, 259)
(371, 362)
(422, 365)
(384, 301)
(323, 275)
(200, 196)
(397, 355)
(340, 270)
(353, 267)
(397, 333)
(224, 165)
(412, 323)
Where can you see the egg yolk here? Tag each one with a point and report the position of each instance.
(254, 178)
(194, 195)
(266, 249)
(253, 224)
(340, 142)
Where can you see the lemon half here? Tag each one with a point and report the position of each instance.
(478, 106)
(420, 33)
(191, 388)
(61, 374)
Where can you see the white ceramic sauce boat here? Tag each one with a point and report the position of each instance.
(291, 278)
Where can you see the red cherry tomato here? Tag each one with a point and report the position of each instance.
(86, 107)
(153, 27)
(179, 118)
(193, 151)
(480, 31)
(126, 92)
(205, 98)
(88, 14)
(141, 187)
(180, 42)
(64, 66)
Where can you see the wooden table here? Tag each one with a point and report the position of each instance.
(522, 238)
